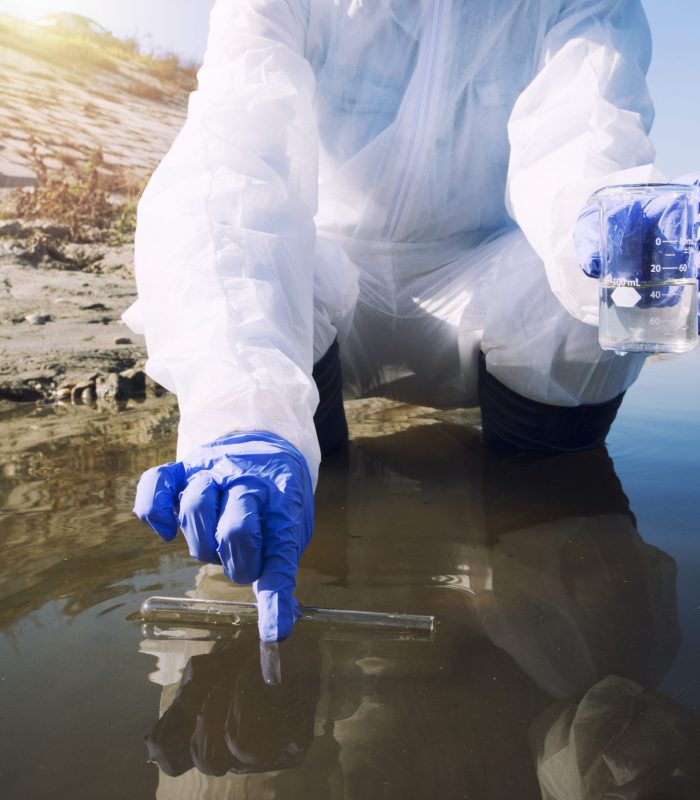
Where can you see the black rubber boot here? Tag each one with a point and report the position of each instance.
(329, 419)
(512, 421)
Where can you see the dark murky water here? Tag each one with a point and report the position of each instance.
(568, 592)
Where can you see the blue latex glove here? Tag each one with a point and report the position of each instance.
(244, 501)
(636, 227)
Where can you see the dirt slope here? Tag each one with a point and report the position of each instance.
(82, 120)
(75, 95)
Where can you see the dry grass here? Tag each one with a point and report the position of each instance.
(171, 69)
(145, 90)
(84, 53)
(95, 205)
(55, 48)
(97, 201)
(67, 159)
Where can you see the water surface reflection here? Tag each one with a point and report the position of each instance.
(565, 665)
(545, 593)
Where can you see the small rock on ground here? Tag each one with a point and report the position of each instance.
(38, 319)
(113, 386)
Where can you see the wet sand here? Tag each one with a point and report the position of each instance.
(80, 332)
(566, 658)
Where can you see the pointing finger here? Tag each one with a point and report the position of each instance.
(277, 608)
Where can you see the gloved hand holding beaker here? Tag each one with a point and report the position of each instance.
(244, 501)
(641, 241)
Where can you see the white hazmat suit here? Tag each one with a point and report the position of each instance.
(404, 175)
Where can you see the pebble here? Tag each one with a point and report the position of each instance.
(83, 392)
(123, 340)
(136, 381)
(38, 319)
(113, 386)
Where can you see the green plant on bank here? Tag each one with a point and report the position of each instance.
(96, 206)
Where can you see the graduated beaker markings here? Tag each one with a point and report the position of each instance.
(648, 281)
(648, 317)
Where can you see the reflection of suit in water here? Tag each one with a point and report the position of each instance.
(565, 588)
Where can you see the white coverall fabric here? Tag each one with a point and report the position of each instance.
(406, 173)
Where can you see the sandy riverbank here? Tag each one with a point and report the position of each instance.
(84, 122)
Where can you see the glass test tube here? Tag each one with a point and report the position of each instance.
(228, 612)
(343, 633)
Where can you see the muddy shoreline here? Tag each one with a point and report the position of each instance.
(60, 320)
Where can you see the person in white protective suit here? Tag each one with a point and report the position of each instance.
(392, 185)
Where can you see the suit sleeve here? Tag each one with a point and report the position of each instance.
(225, 236)
(582, 123)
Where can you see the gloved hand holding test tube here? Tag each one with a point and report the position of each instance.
(641, 242)
(246, 502)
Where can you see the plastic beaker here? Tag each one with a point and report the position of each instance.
(648, 267)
